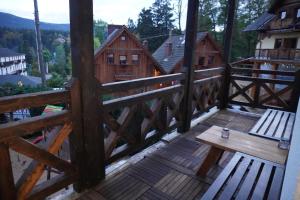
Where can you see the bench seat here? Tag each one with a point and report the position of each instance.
(274, 124)
(247, 177)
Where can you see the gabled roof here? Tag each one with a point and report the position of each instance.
(117, 33)
(4, 52)
(26, 80)
(260, 23)
(178, 41)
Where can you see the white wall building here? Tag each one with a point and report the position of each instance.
(12, 62)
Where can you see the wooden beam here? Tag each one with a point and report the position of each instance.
(295, 93)
(138, 83)
(231, 8)
(189, 48)
(12, 103)
(82, 51)
(32, 124)
(7, 186)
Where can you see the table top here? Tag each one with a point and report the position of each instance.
(242, 142)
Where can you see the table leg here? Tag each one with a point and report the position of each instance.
(211, 158)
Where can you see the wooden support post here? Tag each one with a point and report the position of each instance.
(82, 51)
(227, 52)
(190, 41)
(255, 75)
(163, 118)
(296, 93)
(7, 185)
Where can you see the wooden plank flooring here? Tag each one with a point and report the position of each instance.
(169, 172)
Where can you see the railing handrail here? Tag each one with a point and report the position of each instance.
(133, 99)
(278, 49)
(136, 83)
(16, 102)
(261, 71)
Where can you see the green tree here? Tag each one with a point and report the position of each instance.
(56, 81)
(100, 29)
(96, 43)
(146, 29)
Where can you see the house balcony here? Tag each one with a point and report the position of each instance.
(278, 54)
(144, 154)
(222, 132)
(282, 24)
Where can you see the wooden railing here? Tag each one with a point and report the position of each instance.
(278, 54)
(264, 88)
(207, 86)
(130, 123)
(133, 121)
(57, 126)
(281, 24)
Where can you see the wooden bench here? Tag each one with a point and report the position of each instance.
(247, 177)
(274, 124)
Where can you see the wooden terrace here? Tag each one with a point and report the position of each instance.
(101, 132)
(167, 170)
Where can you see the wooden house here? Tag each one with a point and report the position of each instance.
(170, 54)
(278, 32)
(122, 57)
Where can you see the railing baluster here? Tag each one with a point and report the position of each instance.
(7, 186)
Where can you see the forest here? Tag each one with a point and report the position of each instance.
(153, 24)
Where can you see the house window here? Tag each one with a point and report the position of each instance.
(298, 13)
(201, 61)
(123, 60)
(278, 43)
(211, 60)
(135, 59)
(110, 58)
(283, 15)
(290, 43)
(123, 38)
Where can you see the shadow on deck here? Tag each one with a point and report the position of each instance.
(169, 171)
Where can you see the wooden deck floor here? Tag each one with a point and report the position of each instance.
(169, 172)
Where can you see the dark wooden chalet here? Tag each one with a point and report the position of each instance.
(170, 54)
(105, 134)
(122, 57)
(279, 32)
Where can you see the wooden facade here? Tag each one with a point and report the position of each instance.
(207, 53)
(122, 57)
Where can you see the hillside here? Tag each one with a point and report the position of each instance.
(15, 22)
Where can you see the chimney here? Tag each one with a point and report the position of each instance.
(112, 27)
(169, 45)
(145, 44)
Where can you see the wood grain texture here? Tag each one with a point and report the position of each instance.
(12, 103)
(7, 185)
(274, 124)
(35, 170)
(241, 142)
(30, 125)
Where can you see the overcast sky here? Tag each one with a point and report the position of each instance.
(57, 11)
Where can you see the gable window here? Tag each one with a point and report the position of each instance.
(110, 58)
(123, 60)
(211, 60)
(283, 15)
(201, 61)
(278, 43)
(290, 43)
(123, 38)
(135, 59)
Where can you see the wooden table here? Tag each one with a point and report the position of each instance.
(238, 142)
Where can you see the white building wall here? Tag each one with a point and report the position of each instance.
(19, 63)
(269, 41)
